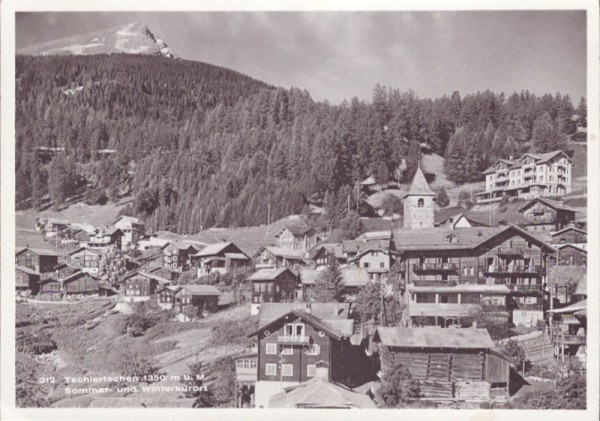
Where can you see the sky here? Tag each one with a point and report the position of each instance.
(340, 55)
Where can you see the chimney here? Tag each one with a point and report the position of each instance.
(309, 308)
(322, 370)
(223, 240)
(510, 158)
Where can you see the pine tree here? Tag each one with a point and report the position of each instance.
(328, 286)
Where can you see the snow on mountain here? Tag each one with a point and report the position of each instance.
(133, 38)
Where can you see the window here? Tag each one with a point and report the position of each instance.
(382, 265)
(310, 370)
(270, 369)
(271, 349)
(288, 350)
(287, 369)
(256, 287)
(299, 329)
(313, 349)
(421, 203)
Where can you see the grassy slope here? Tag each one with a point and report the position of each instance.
(89, 342)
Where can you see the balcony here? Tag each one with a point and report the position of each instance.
(511, 270)
(293, 339)
(447, 268)
(443, 309)
(510, 252)
(434, 283)
(524, 289)
(569, 339)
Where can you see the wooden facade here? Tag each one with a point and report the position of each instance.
(273, 286)
(41, 261)
(483, 257)
(546, 215)
(177, 256)
(26, 280)
(220, 258)
(140, 286)
(80, 283)
(86, 259)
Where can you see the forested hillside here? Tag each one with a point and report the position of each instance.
(200, 146)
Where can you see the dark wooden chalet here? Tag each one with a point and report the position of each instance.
(544, 214)
(568, 255)
(439, 266)
(279, 257)
(290, 346)
(296, 237)
(224, 257)
(570, 235)
(326, 255)
(80, 283)
(39, 260)
(272, 286)
(140, 286)
(104, 238)
(204, 298)
(26, 280)
(85, 258)
(176, 255)
(164, 272)
(449, 364)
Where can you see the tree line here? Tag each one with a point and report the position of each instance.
(201, 146)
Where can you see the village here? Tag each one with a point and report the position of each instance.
(472, 311)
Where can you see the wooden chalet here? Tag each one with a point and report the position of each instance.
(141, 286)
(204, 298)
(568, 326)
(568, 255)
(544, 214)
(279, 257)
(80, 283)
(38, 260)
(326, 255)
(105, 238)
(26, 280)
(224, 257)
(165, 272)
(176, 255)
(245, 377)
(571, 235)
(291, 345)
(448, 364)
(85, 258)
(296, 237)
(445, 272)
(562, 282)
(376, 261)
(272, 286)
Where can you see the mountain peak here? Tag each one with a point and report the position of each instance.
(133, 38)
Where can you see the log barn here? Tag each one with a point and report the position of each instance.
(448, 364)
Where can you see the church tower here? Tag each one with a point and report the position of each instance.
(418, 203)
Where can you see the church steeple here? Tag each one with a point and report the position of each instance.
(419, 185)
(418, 203)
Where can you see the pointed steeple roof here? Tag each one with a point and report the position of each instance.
(419, 186)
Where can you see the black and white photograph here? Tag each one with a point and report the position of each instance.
(329, 209)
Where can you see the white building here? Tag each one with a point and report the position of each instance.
(528, 177)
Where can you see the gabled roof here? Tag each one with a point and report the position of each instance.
(27, 270)
(579, 305)
(76, 275)
(367, 250)
(376, 235)
(569, 228)
(354, 277)
(419, 185)
(131, 219)
(548, 202)
(434, 337)
(296, 229)
(320, 393)
(467, 238)
(453, 220)
(41, 252)
(309, 276)
(180, 245)
(195, 289)
(334, 249)
(268, 274)
(326, 311)
(84, 248)
(573, 246)
(315, 322)
(217, 249)
(356, 246)
(283, 252)
(157, 278)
